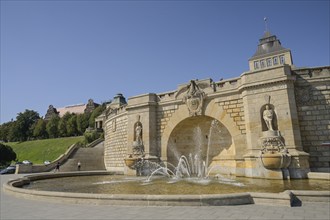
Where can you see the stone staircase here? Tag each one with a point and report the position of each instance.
(90, 159)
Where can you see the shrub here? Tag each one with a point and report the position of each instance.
(91, 136)
(6, 154)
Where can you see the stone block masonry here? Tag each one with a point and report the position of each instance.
(313, 103)
(116, 140)
(235, 109)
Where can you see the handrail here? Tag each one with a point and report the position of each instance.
(94, 143)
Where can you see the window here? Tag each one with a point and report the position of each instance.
(275, 60)
(256, 65)
(262, 63)
(282, 60)
(269, 62)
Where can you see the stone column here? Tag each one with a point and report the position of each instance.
(273, 87)
(143, 108)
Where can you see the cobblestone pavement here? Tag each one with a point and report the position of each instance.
(12, 207)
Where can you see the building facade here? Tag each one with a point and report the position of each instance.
(76, 109)
(272, 121)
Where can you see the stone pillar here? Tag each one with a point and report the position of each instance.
(273, 87)
(143, 107)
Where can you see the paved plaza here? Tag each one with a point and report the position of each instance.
(19, 208)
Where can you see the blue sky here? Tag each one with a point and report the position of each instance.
(65, 52)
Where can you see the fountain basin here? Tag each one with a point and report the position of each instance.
(275, 160)
(286, 198)
(130, 162)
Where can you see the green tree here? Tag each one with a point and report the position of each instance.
(82, 122)
(5, 130)
(40, 129)
(6, 154)
(98, 111)
(52, 126)
(24, 123)
(13, 132)
(62, 125)
(71, 126)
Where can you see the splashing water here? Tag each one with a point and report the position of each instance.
(193, 166)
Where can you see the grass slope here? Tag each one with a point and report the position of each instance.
(40, 150)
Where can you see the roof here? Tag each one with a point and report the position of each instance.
(268, 44)
(78, 109)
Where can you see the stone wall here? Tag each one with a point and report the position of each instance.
(163, 116)
(235, 109)
(116, 142)
(299, 99)
(312, 91)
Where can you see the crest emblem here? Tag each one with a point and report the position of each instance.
(194, 99)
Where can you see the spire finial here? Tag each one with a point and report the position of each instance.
(266, 24)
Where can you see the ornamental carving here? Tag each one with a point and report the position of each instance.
(303, 95)
(272, 144)
(114, 125)
(194, 98)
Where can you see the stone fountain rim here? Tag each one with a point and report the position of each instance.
(283, 198)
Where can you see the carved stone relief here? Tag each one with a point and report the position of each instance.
(303, 95)
(194, 98)
(113, 125)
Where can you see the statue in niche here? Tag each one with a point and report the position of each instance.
(138, 148)
(138, 134)
(268, 116)
(273, 152)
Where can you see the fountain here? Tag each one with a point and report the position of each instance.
(194, 164)
(194, 176)
(158, 183)
(189, 172)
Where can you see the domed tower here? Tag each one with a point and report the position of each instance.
(270, 53)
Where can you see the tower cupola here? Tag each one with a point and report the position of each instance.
(269, 53)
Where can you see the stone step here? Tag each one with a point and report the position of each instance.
(90, 159)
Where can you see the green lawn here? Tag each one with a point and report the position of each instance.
(40, 150)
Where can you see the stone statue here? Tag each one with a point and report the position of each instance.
(138, 148)
(138, 134)
(268, 115)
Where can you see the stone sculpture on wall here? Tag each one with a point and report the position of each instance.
(273, 153)
(138, 148)
(135, 158)
(268, 116)
(303, 95)
(193, 97)
(114, 125)
(138, 134)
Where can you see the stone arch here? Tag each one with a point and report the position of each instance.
(199, 138)
(212, 110)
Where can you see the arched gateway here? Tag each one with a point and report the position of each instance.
(246, 126)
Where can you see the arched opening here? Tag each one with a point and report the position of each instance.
(197, 138)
